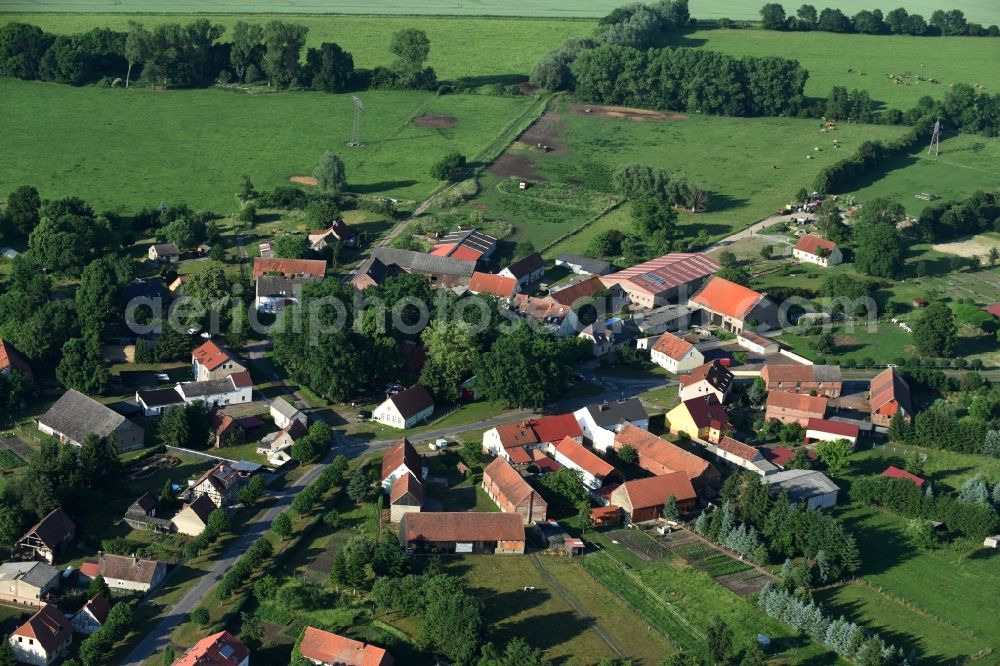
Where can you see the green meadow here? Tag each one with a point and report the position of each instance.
(126, 149)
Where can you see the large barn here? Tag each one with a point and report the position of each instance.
(463, 532)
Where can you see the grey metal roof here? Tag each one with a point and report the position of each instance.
(612, 413)
(283, 407)
(276, 285)
(160, 397)
(473, 238)
(382, 260)
(595, 266)
(207, 387)
(826, 373)
(36, 574)
(76, 416)
(801, 484)
(661, 316)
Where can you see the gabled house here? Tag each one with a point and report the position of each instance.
(220, 484)
(27, 583)
(825, 430)
(493, 285)
(74, 416)
(11, 360)
(734, 307)
(600, 422)
(324, 648)
(221, 649)
(276, 446)
(401, 459)
(156, 401)
(515, 441)
(642, 500)
(274, 293)
(658, 456)
(511, 493)
(163, 253)
(235, 389)
(122, 572)
(213, 361)
(406, 408)
(697, 417)
(48, 540)
(794, 407)
(225, 430)
(712, 378)
(553, 317)
(738, 454)
(141, 515)
(526, 271)
(284, 413)
(671, 278)
(385, 262)
(405, 495)
(593, 469)
(758, 344)
(572, 293)
(824, 380)
(44, 639)
(675, 354)
(92, 616)
(289, 267)
(889, 395)
(339, 232)
(193, 517)
(815, 250)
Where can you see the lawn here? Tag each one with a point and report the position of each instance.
(129, 149)
(967, 164)
(942, 468)
(752, 167)
(867, 61)
(478, 50)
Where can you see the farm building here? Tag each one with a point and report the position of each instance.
(163, 253)
(289, 267)
(894, 472)
(675, 354)
(758, 344)
(583, 265)
(794, 407)
(74, 416)
(734, 307)
(667, 279)
(511, 493)
(825, 430)
(600, 422)
(406, 495)
(553, 317)
(819, 251)
(405, 409)
(274, 293)
(193, 517)
(659, 320)
(339, 232)
(810, 487)
(122, 572)
(441, 272)
(141, 515)
(467, 245)
(889, 395)
(47, 540)
(823, 380)
(782, 455)
(712, 378)
(660, 457)
(572, 293)
(12, 360)
(324, 648)
(401, 459)
(642, 500)
(606, 516)
(463, 532)
(737, 454)
(27, 583)
(526, 271)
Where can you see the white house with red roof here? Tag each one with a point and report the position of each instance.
(400, 460)
(515, 441)
(221, 649)
(815, 250)
(13, 360)
(734, 307)
(594, 470)
(739, 454)
(44, 639)
(493, 285)
(675, 354)
(328, 649)
(826, 430)
(213, 361)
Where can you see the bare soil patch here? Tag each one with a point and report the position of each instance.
(430, 120)
(514, 166)
(527, 88)
(623, 112)
(977, 246)
(744, 583)
(304, 180)
(547, 133)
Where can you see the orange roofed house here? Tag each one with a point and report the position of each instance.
(463, 532)
(660, 457)
(643, 499)
(595, 471)
(493, 285)
(675, 354)
(511, 493)
(514, 441)
(328, 649)
(221, 649)
(734, 307)
(13, 360)
(815, 250)
(44, 638)
(822, 380)
(794, 407)
(212, 361)
(890, 394)
(289, 268)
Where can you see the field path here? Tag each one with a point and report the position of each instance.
(612, 642)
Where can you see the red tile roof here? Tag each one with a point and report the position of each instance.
(401, 453)
(462, 526)
(781, 455)
(496, 285)
(406, 484)
(289, 267)
(11, 358)
(706, 409)
(49, 627)
(221, 649)
(555, 427)
(728, 298)
(211, 355)
(658, 455)
(811, 244)
(570, 294)
(662, 274)
(672, 346)
(466, 253)
(543, 462)
(896, 473)
(510, 484)
(801, 402)
(993, 309)
(609, 511)
(329, 648)
(89, 569)
(442, 250)
(516, 434)
(518, 455)
(786, 373)
(584, 458)
(848, 430)
(887, 386)
(241, 379)
(654, 491)
(738, 448)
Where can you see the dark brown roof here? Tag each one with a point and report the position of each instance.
(53, 528)
(48, 626)
(407, 484)
(738, 448)
(144, 505)
(705, 409)
(507, 480)
(202, 506)
(99, 608)
(462, 526)
(127, 568)
(526, 266)
(412, 401)
(570, 294)
(401, 453)
(717, 375)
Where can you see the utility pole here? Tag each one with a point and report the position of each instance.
(935, 139)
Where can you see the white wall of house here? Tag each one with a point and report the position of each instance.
(590, 480)
(686, 363)
(491, 442)
(822, 436)
(235, 397)
(700, 389)
(395, 474)
(602, 438)
(121, 584)
(387, 414)
(756, 348)
(30, 651)
(84, 622)
(835, 257)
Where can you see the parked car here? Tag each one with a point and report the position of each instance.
(364, 415)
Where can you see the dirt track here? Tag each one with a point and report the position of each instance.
(623, 112)
(437, 122)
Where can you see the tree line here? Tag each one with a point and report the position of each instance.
(941, 222)
(872, 22)
(192, 55)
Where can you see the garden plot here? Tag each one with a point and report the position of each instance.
(639, 544)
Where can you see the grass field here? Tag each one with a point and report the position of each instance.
(752, 166)
(128, 149)
(828, 57)
(984, 11)
(478, 50)
(967, 164)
